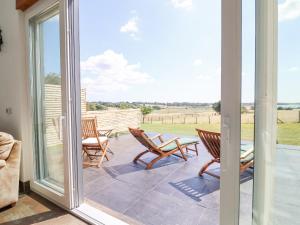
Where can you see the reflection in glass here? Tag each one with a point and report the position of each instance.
(48, 109)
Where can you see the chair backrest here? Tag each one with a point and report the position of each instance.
(89, 127)
(143, 138)
(212, 142)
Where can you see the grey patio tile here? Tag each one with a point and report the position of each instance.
(160, 209)
(97, 185)
(173, 193)
(245, 209)
(117, 196)
(210, 217)
(145, 179)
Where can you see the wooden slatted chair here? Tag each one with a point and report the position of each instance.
(164, 149)
(93, 145)
(101, 132)
(212, 142)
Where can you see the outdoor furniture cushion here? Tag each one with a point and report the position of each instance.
(245, 148)
(6, 144)
(182, 141)
(93, 140)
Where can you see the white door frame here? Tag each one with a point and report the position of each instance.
(231, 111)
(265, 110)
(62, 199)
(72, 49)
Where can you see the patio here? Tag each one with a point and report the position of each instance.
(171, 193)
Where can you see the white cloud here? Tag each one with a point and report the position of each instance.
(131, 27)
(197, 62)
(289, 10)
(110, 71)
(184, 4)
(294, 69)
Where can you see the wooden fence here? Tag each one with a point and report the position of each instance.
(118, 120)
(284, 116)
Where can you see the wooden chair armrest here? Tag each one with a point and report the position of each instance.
(245, 154)
(168, 142)
(159, 136)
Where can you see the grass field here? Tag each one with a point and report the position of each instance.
(288, 133)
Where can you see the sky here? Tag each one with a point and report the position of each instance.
(51, 44)
(170, 50)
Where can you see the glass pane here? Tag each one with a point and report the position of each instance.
(247, 108)
(155, 66)
(48, 118)
(287, 166)
(276, 187)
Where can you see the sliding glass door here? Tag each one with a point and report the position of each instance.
(49, 103)
(48, 98)
(56, 97)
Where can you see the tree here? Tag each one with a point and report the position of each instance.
(100, 107)
(146, 110)
(53, 78)
(156, 107)
(217, 106)
(124, 105)
(244, 109)
(91, 106)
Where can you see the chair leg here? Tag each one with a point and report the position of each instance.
(149, 165)
(110, 151)
(139, 156)
(106, 156)
(204, 168)
(105, 149)
(102, 157)
(196, 148)
(244, 167)
(182, 153)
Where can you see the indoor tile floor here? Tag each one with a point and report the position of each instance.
(33, 209)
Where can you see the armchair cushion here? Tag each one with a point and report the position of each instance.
(6, 144)
(9, 176)
(2, 163)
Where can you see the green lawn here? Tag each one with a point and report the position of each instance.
(288, 133)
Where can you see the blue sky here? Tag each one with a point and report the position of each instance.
(50, 31)
(169, 50)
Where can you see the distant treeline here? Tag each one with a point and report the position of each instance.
(134, 105)
(92, 106)
(145, 109)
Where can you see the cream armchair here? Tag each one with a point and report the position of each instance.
(10, 156)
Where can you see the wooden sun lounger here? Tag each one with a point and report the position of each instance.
(212, 142)
(164, 149)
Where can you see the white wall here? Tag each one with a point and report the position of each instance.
(13, 79)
